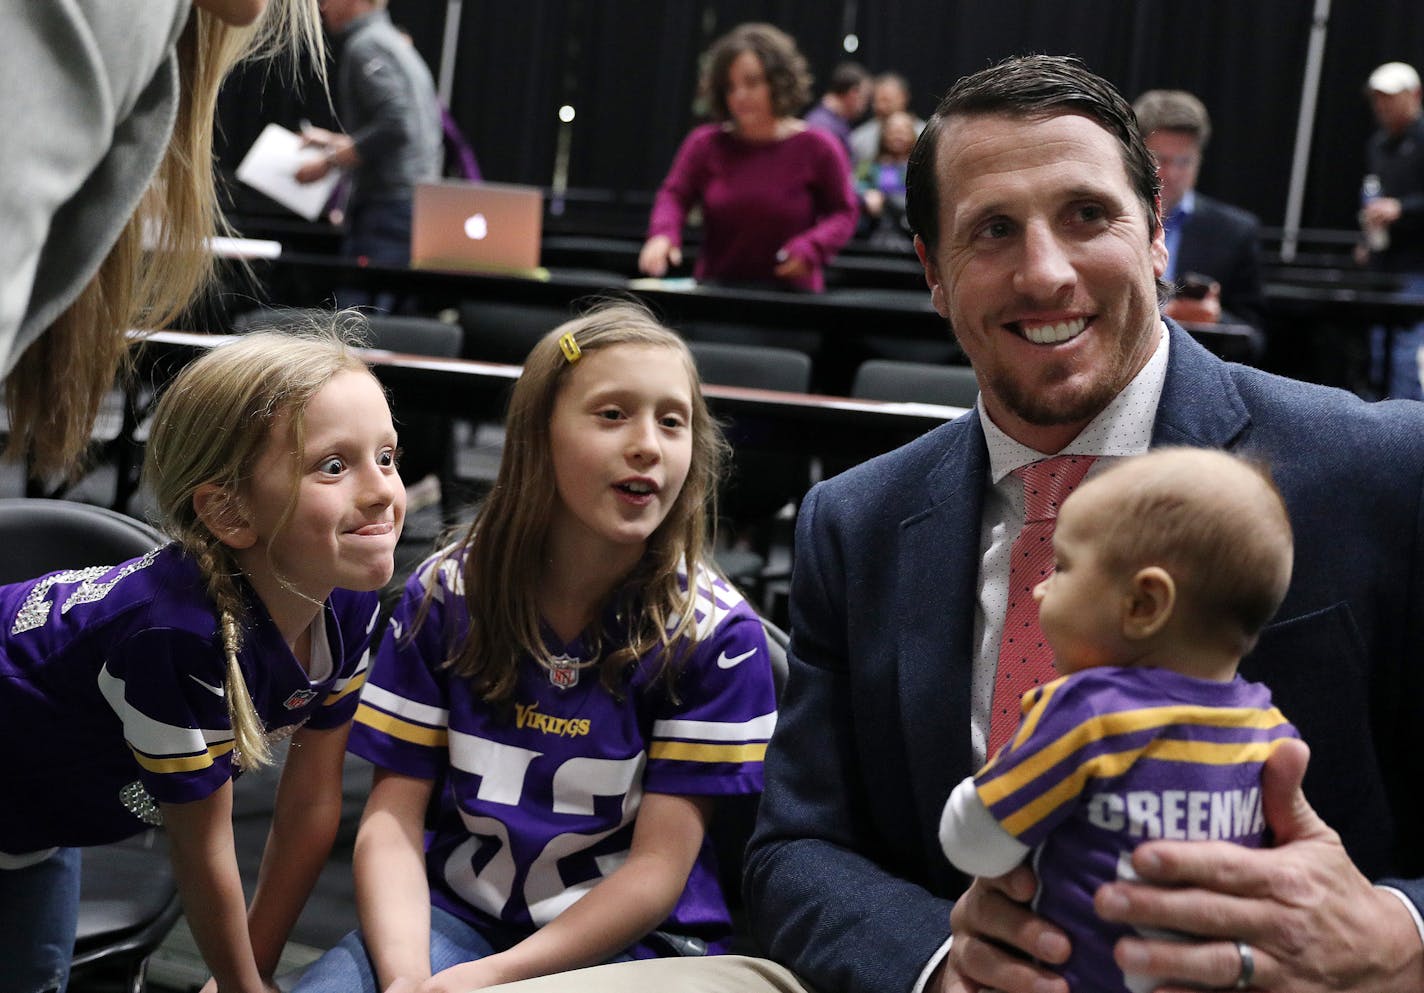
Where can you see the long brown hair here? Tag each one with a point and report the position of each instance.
(787, 75)
(504, 547)
(210, 426)
(55, 388)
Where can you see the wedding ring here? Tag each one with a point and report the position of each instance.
(1248, 966)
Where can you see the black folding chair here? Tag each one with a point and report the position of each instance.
(128, 899)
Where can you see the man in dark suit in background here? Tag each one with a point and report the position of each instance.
(1033, 199)
(1212, 250)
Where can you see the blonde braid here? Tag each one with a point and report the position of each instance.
(251, 750)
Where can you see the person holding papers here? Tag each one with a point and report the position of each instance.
(385, 98)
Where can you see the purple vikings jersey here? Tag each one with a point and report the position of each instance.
(535, 805)
(111, 694)
(1107, 758)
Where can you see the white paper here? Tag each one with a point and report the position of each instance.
(244, 248)
(270, 167)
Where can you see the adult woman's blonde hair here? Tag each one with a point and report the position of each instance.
(504, 547)
(211, 425)
(54, 391)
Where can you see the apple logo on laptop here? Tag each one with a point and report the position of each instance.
(476, 227)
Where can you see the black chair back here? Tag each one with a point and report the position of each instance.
(41, 536)
(416, 335)
(128, 898)
(915, 382)
(278, 319)
(760, 483)
(762, 367)
(505, 332)
(759, 335)
(391, 332)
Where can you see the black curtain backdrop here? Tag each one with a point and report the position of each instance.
(629, 69)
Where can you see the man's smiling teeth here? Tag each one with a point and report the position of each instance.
(1051, 334)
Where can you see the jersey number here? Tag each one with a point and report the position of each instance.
(34, 612)
(503, 770)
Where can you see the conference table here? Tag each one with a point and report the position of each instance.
(763, 420)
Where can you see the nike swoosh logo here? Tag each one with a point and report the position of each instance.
(724, 661)
(396, 628)
(214, 690)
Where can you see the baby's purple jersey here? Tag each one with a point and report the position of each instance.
(112, 694)
(535, 803)
(1107, 758)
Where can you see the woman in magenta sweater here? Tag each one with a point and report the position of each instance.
(777, 198)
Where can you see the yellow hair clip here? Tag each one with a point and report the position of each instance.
(569, 347)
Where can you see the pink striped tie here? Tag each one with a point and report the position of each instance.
(1025, 660)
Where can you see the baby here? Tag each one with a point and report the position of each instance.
(1167, 566)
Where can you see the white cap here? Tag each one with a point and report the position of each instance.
(1394, 77)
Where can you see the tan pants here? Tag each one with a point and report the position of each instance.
(713, 974)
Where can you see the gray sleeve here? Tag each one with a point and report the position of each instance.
(385, 101)
(91, 91)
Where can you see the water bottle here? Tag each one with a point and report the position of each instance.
(1376, 236)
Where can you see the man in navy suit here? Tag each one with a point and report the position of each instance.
(1205, 237)
(1034, 201)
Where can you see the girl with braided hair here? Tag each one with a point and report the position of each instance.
(139, 691)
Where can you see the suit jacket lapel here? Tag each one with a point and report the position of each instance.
(936, 602)
(1200, 403)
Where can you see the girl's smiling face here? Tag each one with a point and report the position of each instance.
(349, 505)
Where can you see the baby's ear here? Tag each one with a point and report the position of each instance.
(1148, 605)
(222, 516)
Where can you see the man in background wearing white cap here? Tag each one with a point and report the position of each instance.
(1392, 211)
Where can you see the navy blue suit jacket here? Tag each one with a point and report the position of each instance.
(845, 879)
(1220, 241)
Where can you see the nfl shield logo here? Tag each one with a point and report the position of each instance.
(563, 672)
(299, 699)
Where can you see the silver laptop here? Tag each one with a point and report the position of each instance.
(478, 227)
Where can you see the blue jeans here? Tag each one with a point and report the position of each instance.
(377, 231)
(347, 967)
(1403, 354)
(39, 910)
